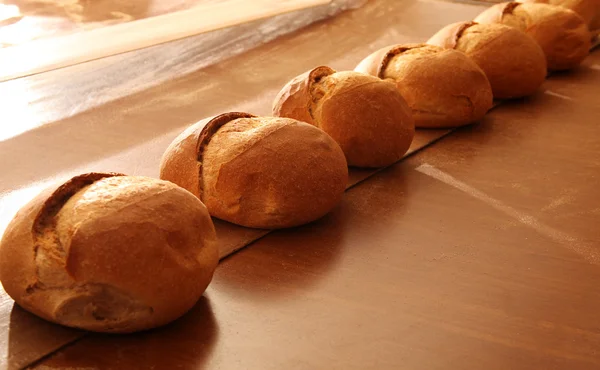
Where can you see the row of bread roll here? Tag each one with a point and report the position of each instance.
(505, 52)
(292, 169)
(115, 253)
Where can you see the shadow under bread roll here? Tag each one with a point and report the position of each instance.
(513, 62)
(589, 10)
(561, 33)
(261, 172)
(365, 115)
(443, 87)
(109, 253)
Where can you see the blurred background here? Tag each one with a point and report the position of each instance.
(25, 20)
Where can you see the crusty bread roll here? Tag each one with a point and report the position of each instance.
(109, 253)
(261, 172)
(513, 62)
(365, 115)
(589, 10)
(443, 87)
(562, 33)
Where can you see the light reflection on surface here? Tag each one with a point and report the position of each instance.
(16, 114)
(9, 14)
(26, 29)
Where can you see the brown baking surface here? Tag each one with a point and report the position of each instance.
(133, 140)
(24, 338)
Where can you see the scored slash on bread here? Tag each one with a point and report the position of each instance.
(295, 99)
(207, 133)
(366, 116)
(109, 253)
(260, 172)
(448, 36)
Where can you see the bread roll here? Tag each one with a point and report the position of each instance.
(261, 172)
(513, 62)
(589, 10)
(562, 33)
(109, 253)
(443, 87)
(365, 115)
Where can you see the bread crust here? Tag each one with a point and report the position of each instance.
(260, 172)
(365, 115)
(513, 62)
(443, 87)
(109, 253)
(562, 34)
(589, 10)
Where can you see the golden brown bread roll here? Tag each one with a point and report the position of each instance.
(365, 115)
(262, 172)
(589, 10)
(109, 253)
(562, 33)
(443, 87)
(513, 62)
